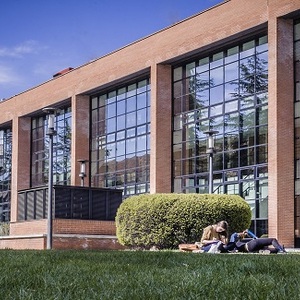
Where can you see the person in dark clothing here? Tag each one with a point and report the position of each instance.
(258, 244)
(266, 245)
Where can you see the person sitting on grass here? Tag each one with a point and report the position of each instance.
(214, 238)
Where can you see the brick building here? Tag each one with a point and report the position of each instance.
(139, 116)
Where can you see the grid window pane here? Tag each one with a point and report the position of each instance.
(5, 173)
(127, 144)
(227, 94)
(61, 149)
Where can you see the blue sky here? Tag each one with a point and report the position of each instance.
(38, 38)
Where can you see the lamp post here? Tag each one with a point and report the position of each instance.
(51, 112)
(82, 173)
(210, 151)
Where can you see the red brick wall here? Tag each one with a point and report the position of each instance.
(80, 137)
(281, 131)
(83, 227)
(36, 243)
(161, 137)
(64, 242)
(67, 234)
(20, 159)
(64, 226)
(28, 227)
(223, 23)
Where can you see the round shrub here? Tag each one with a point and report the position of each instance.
(166, 220)
(142, 221)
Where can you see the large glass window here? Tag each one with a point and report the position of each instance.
(227, 92)
(61, 149)
(121, 138)
(5, 173)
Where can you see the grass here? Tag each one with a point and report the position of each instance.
(146, 275)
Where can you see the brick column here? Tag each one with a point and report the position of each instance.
(161, 134)
(281, 130)
(80, 137)
(20, 172)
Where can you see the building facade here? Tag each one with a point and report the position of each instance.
(139, 116)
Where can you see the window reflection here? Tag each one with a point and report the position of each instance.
(120, 107)
(120, 123)
(248, 49)
(217, 76)
(125, 147)
(131, 104)
(216, 94)
(111, 124)
(232, 54)
(141, 100)
(61, 150)
(226, 91)
(231, 71)
(231, 106)
(231, 90)
(202, 98)
(5, 173)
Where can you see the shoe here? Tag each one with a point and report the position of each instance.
(233, 251)
(265, 251)
(282, 251)
(198, 251)
(198, 245)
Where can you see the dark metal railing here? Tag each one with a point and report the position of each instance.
(69, 202)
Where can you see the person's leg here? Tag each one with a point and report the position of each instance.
(258, 244)
(206, 248)
(221, 248)
(227, 248)
(187, 247)
(277, 246)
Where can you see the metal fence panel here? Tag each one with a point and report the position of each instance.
(70, 202)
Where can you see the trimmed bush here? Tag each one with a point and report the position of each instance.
(166, 220)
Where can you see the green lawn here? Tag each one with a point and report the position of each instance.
(147, 275)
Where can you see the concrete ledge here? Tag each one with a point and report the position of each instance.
(29, 236)
(80, 241)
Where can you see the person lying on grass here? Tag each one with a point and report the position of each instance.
(214, 240)
(265, 245)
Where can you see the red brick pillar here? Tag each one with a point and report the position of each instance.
(21, 133)
(281, 130)
(161, 134)
(80, 137)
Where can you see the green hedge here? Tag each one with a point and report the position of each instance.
(166, 220)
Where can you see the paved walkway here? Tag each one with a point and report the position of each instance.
(293, 250)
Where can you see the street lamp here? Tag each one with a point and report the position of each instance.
(51, 112)
(82, 173)
(210, 151)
